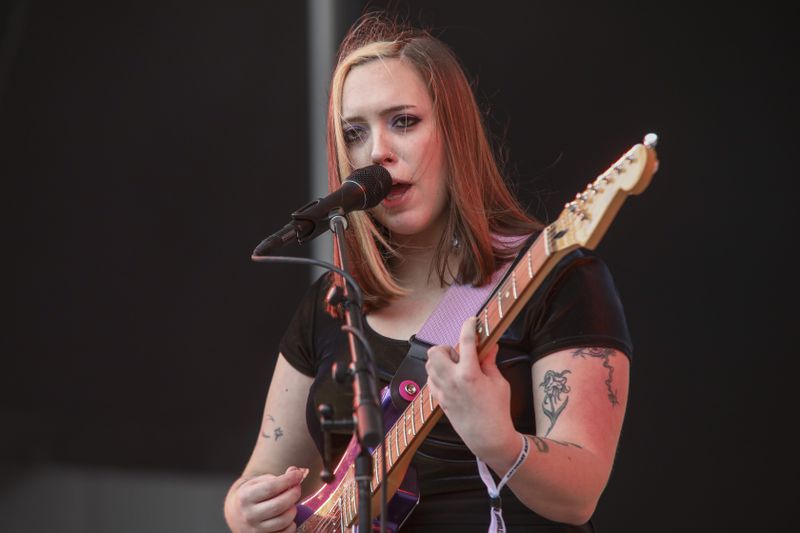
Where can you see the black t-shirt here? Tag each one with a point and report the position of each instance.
(577, 305)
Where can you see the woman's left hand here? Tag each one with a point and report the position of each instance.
(475, 396)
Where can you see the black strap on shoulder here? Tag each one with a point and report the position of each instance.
(410, 375)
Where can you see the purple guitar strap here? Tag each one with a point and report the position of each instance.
(443, 327)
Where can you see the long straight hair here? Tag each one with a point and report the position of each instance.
(480, 204)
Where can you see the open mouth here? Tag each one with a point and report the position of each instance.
(398, 190)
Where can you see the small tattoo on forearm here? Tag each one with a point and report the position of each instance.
(268, 434)
(277, 433)
(554, 385)
(540, 444)
(604, 354)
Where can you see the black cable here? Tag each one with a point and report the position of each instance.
(316, 262)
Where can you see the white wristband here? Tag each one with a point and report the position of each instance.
(497, 525)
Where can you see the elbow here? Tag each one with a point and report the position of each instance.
(573, 515)
(579, 516)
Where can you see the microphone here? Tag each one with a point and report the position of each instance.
(363, 189)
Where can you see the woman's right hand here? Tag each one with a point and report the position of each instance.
(265, 503)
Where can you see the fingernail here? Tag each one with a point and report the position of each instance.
(305, 473)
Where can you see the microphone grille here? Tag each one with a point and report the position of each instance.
(376, 181)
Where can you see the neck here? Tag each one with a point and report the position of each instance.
(416, 269)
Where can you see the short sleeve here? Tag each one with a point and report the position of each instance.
(580, 307)
(297, 343)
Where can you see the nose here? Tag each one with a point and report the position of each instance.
(381, 153)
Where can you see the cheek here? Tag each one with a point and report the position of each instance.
(358, 155)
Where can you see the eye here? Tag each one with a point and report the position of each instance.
(353, 134)
(405, 121)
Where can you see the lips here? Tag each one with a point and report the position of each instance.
(398, 190)
(397, 194)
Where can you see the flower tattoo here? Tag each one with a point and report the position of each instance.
(554, 385)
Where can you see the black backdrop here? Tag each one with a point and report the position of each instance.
(145, 148)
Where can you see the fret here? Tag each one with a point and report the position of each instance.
(500, 302)
(405, 432)
(430, 400)
(388, 449)
(343, 504)
(341, 515)
(485, 328)
(376, 457)
(413, 425)
(346, 503)
(397, 441)
(530, 265)
(353, 504)
(514, 283)
(421, 411)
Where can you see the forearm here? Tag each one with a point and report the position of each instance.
(558, 480)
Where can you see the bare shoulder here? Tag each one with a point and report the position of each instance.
(580, 396)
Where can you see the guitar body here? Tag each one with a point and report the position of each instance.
(329, 509)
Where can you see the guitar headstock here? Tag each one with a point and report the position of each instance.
(584, 221)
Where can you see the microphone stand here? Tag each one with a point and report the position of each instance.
(367, 419)
(366, 407)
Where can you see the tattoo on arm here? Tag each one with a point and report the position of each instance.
(269, 433)
(604, 354)
(540, 444)
(542, 447)
(554, 385)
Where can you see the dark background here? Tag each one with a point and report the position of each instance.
(145, 148)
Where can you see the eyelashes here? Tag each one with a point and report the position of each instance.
(356, 134)
(353, 134)
(404, 121)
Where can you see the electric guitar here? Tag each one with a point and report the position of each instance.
(581, 224)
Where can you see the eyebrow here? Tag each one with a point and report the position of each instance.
(388, 111)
